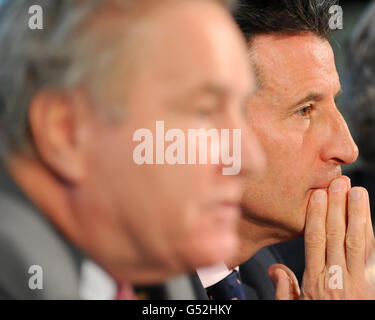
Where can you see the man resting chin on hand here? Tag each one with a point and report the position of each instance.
(338, 241)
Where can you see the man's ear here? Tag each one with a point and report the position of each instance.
(56, 123)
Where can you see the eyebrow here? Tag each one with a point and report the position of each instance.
(315, 96)
(214, 90)
(219, 90)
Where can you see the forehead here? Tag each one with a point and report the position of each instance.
(292, 62)
(190, 44)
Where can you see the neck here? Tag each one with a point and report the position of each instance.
(253, 237)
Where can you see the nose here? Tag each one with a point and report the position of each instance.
(340, 147)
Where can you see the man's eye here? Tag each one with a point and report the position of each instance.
(202, 112)
(205, 111)
(305, 112)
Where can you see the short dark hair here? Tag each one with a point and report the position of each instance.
(256, 17)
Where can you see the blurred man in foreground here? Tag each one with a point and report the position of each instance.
(72, 97)
(306, 141)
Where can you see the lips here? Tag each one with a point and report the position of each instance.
(326, 181)
(323, 186)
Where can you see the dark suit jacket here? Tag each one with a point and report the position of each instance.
(254, 275)
(254, 272)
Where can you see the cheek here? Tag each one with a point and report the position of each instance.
(179, 188)
(289, 161)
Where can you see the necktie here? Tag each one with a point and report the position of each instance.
(230, 288)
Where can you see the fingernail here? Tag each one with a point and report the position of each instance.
(318, 196)
(337, 185)
(355, 194)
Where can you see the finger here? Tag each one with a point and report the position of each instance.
(315, 233)
(369, 228)
(292, 278)
(348, 182)
(283, 287)
(355, 241)
(348, 187)
(370, 243)
(336, 222)
(285, 282)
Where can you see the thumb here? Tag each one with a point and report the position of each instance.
(285, 282)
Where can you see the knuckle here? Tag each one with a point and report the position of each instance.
(355, 243)
(309, 291)
(307, 294)
(314, 240)
(335, 234)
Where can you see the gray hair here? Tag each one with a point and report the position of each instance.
(359, 85)
(63, 55)
(32, 60)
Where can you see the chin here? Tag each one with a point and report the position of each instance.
(297, 230)
(293, 228)
(211, 250)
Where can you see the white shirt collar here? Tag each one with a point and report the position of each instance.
(95, 283)
(214, 274)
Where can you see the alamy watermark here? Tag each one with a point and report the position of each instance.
(36, 279)
(336, 20)
(335, 280)
(36, 17)
(200, 140)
